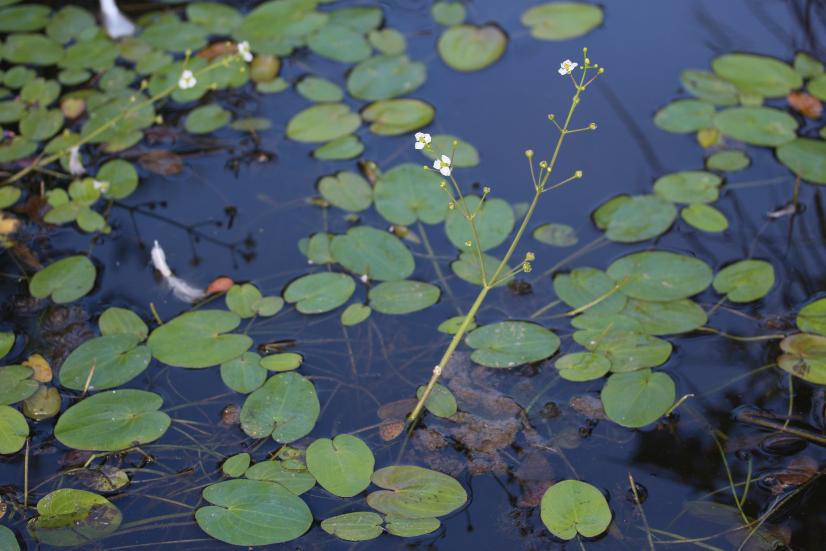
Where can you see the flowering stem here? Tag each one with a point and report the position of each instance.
(488, 284)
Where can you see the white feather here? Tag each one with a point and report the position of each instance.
(181, 289)
(117, 25)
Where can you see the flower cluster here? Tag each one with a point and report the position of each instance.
(187, 80)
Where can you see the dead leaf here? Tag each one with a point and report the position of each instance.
(220, 285)
(217, 50)
(390, 430)
(805, 104)
(41, 368)
(161, 161)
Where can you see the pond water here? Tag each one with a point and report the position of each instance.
(242, 202)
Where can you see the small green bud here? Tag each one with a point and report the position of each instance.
(468, 243)
(529, 256)
(578, 174)
(592, 126)
(529, 153)
(551, 117)
(486, 190)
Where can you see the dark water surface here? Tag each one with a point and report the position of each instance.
(644, 44)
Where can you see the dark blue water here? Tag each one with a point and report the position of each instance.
(501, 110)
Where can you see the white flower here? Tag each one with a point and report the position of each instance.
(365, 279)
(422, 140)
(443, 165)
(567, 67)
(75, 162)
(187, 80)
(244, 50)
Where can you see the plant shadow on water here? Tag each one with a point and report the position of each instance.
(745, 447)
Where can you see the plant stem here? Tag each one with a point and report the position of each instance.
(488, 284)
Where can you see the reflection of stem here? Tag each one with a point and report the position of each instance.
(488, 284)
(791, 402)
(739, 338)
(730, 479)
(642, 512)
(436, 267)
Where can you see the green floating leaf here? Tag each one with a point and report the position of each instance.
(6, 343)
(589, 287)
(666, 318)
(805, 158)
(32, 49)
(276, 28)
(757, 125)
(463, 154)
(393, 117)
(402, 297)
(441, 401)
(68, 518)
(410, 527)
(572, 507)
(343, 466)
(637, 398)
(13, 430)
(583, 366)
(471, 48)
(636, 218)
(685, 116)
(27, 17)
(340, 149)
(120, 321)
(415, 493)
(467, 268)
(806, 65)
(448, 13)
(690, 186)
(104, 362)
(347, 191)
(43, 404)
(206, 119)
(660, 275)
(236, 465)
(745, 281)
(705, 218)
(242, 299)
(319, 90)
(176, 36)
(511, 343)
(65, 281)
(556, 235)
(340, 43)
(322, 123)
(251, 124)
(406, 193)
(359, 18)
(320, 293)
(121, 177)
(817, 87)
(757, 74)
(355, 314)
(112, 421)
(297, 479)
(728, 160)
(286, 408)
(620, 338)
(286, 361)
(812, 317)
(377, 254)
(359, 526)
(562, 20)
(384, 77)
(244, 374)
(805, 357)
(494, 223)
(214, 17)
(16, 384)
(451, 326)
(8, 540)
(199, 339)
(388, 41)
(252, 512)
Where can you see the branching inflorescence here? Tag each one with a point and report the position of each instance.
(540, 175)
